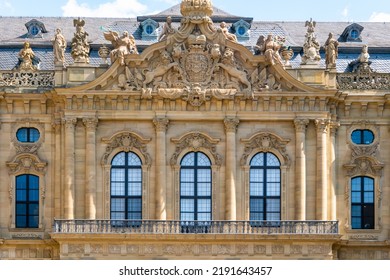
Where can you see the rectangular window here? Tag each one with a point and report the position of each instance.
(27, 201)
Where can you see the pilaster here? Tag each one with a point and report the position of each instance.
(231, 125)
(161, 126)
(300, 168)
(334, 126)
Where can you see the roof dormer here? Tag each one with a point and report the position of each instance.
(241, 29)
(35, 29)
(352, 33)
(149, 29)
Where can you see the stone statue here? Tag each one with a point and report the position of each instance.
(229, 36)
(167, 29)
(270, 47)
(80, 45)
(364, 55)
(311, 48)
(122, 45)
(59, 47)
(27, 59)
(331, 51)
(362, 63)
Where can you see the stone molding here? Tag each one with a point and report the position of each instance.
(231, 124)
(91, 123)
(161, 124)
(301, 125)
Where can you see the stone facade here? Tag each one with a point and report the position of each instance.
(195, 91)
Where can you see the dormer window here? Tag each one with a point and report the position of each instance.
(35, 29)
(241, 29)
(149, 29)
(352, 33)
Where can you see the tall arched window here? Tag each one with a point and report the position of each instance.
(27, 201)
(264, 187)
(362, 203)
(126, 187)
(195, 187)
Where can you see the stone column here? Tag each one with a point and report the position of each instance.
(161, 125)
(300, 168)
(90, 167)
(230, 170)
(322, 170)
(58, 204)
(69, 180)
(333, 179)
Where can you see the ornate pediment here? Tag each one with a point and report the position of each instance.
(196, 63)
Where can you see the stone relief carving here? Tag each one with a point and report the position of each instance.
(311, 47)
(127, 141)
(26, 163)
(266, 142)
(122, 45)
(27, 79)
(225, 31)
(364, 165)
(196, 141)
(80, 44)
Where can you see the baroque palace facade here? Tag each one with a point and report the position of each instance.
(208, 136)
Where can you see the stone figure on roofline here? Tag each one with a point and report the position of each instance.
(311, 47)
(331, 51)
(167, 29)
(59, 47)
(123, 45)
(229, 36)
(27, 59)
(80, 45)
(270, 47)
(362, 63)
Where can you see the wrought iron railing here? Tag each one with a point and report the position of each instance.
(194, 227)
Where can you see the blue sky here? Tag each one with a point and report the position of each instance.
(287, 10)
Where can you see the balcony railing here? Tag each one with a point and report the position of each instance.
(193, 227)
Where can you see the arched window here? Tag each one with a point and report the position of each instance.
(195, 187)
(362, 203)
(264, 188)
(27, 201)
(126, 187)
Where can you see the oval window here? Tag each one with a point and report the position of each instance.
(362, 137)
(28, 135)
(241, 31)
(149, 29)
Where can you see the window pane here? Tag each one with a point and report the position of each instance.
(187, 216)
(273, 216)
(187, 189)
(357, 137)
(273, 205)
(33, 209)
(21, 221)
(272, 160)
(204, 189)
(204, 205)
(356, 184)
(117, 204)
(356, 210)
(356, 197)
(187, 205)
(21, 135)
(256, 189)
(356, 223)
(258, 160)
(135, 189)
(204, 217)
(368, 184)
(134, 216)
(256, 175)
(135, 205)
(204, 175)
(119, 160)
(117, 188)
(118, 215)
(134, 160)
(135, 175)
(117, 175)
(256, 217)
(256, 205)
(21, 182)
(203, 160)
(368, 197)
(34, 135)
(273, 189)
(187, 175)
(33, 182)
(21, 209)
(21, 195)
(33, 195)
(368, 137)
(188, 160)
(273, 175)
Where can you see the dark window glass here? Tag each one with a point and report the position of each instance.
(28, 135)
(149, 29)
(241, 31)
(354, 34)
(126, 187)
(264, 187)
(363, 137)
(27, 201)
(362, 203)
(34, 30)
(195, 188)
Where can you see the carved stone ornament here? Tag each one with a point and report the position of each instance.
(80, 44)
(196, 141)
(27, 79)
(265, 142)
(364, 165)
(311, 47)
(126, 141)
(23, 147)
(26, 163)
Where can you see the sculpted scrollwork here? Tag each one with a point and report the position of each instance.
(26, 163)
(126, 141)
(266, 142)
(196, 141)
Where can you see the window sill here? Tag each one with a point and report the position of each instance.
(27, 233)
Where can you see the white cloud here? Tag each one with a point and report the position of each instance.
(116, 8)
(380, 17)
(345, 12)
(5, 4)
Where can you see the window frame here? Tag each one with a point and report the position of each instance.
(127, 167)
(27, 202)
(195, 197)
(362, 204)
(264, 169)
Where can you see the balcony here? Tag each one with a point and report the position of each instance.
(194, 227)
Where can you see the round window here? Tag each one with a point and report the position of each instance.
(28, 135)
(34, 30)
(149, 29)
(362, 137)
(354, 34)
(241, 31)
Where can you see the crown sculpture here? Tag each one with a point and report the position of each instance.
(196, 8)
